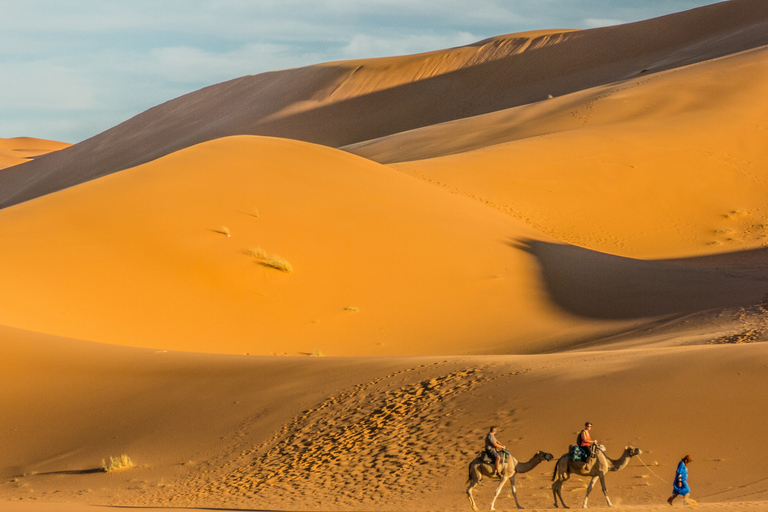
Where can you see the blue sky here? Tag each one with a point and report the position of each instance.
(70, 69)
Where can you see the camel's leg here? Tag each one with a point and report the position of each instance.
(605, 489)
(589, 490)
(514, 490)
(498, 490)
(557, 488)
(474, 480)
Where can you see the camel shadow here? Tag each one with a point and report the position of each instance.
(597, 285)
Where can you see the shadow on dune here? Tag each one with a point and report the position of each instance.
(602, 286)
(74, 472)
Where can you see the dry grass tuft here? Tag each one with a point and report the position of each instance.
(274, 261)
(121, 462)
(223, 230)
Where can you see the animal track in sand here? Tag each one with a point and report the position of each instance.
(369, 443)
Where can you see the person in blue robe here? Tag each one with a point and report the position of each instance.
(680, 487)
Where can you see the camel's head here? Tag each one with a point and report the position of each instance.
(632, 451)
(545, 456)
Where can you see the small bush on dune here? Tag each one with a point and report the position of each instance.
(274, 261)
(277, 263)
(114, 464)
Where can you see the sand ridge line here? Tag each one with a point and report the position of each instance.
(359, 445)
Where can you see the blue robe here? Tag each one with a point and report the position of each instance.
(681, 480)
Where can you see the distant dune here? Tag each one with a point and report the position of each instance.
(532, 231)
(18, 150)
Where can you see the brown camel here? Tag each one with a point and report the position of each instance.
(565, 466)
(478, 469)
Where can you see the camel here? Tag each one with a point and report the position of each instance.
(478, 469)
(565, 466)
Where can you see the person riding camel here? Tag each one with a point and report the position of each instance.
(492, 447)
(584, 440)
(586, 443)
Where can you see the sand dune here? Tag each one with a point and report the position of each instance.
(323, 104)
(18, 150)
(521, 261)
(162, 256)
(666, 166)
(262, 433)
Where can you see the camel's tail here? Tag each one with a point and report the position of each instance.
(554, 475)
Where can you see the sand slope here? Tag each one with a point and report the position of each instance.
(383, 263)
(276, 433)
(161, 256)
(346, 102)
(18, 150)
(666, 166)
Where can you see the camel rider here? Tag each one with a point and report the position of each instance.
(492, 447)
(584, 440)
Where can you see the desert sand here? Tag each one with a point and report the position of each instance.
(18, 150)
(316, 289)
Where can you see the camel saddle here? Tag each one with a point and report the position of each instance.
(486, 459)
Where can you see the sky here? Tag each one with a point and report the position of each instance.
(70, 69)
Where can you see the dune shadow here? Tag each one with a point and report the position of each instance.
(73, 472)
(603, 286)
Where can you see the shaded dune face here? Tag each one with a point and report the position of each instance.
(322, 104)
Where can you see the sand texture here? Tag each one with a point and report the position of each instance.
(315, 289)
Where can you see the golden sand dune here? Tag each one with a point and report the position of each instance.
(177, 254)
(347, 102)
(254, 433)
(18, 150)
(669, 165)
(625, 213)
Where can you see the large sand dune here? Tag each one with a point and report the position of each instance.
(162, 256)
(488, 255)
